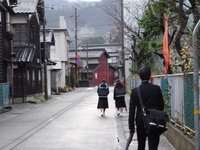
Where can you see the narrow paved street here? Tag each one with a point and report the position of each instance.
(69, 121)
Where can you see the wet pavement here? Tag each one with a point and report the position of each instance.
(69, 121)
(163, 145)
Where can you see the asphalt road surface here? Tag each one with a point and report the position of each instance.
(69, 121)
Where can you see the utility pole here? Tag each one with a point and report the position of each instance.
(122, 28)
(45, 59)
(196, 85)
(76, 45)
(87, 59)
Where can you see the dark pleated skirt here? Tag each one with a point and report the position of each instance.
(120, 102)
(102, 103)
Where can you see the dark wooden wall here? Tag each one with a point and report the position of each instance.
(27, 77)
(5, 49)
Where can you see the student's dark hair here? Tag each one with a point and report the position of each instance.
(145, 73)
(118, 81)
(104, 81)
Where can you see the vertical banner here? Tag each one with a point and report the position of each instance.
(166, 47)
(78, 59)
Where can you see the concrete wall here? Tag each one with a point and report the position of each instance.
(178, 140)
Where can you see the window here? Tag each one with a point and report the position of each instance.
(109, 60)
(28, 75)
(112, 60)
(39, 75)
(52, 48)
(33, 75)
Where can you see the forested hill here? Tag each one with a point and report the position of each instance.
(92, 20)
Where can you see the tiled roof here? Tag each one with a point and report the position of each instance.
(13, 2)
(92, 53)
(51, 62)
(23, 53)
(26, 6)
(110, 48)
(91, 67)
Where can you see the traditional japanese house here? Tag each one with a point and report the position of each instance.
(27, 63)
(6, 33)
(93, 65)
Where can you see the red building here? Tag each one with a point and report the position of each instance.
(104, 71)
(94, 65)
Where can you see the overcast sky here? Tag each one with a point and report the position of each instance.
(84, 0)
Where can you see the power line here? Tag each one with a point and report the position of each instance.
(49, 21)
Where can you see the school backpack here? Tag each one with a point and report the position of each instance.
(103, 91)
(119, 91)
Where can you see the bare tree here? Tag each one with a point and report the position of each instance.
(132, 31)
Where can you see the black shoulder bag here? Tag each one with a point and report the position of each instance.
(154, 120)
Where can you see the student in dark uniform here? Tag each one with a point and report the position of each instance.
(119, 97)
(103, 91)
(151, 95)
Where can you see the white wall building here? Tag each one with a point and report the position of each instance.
(59, 55)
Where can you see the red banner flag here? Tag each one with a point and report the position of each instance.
(166, 47)
(78, 57)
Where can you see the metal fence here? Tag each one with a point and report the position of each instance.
(178, 94)
(4, 95)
